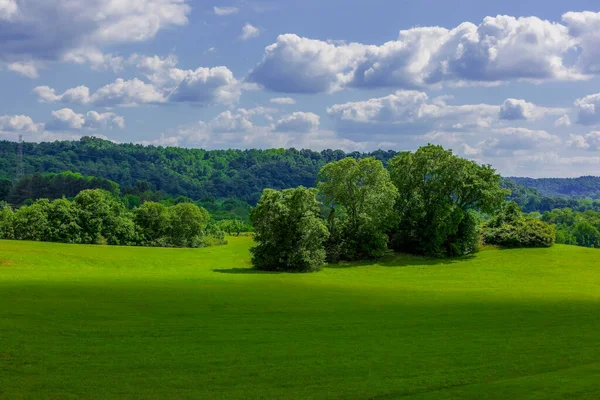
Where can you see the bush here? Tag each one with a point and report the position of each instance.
(509, 228)
(289, 233)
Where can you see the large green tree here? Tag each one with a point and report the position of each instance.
(152, 220)
(103, 218)
(437, 192)
(361, 198)
(289, 232)
(187, 225)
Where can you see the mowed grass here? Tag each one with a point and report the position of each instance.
(95, 322)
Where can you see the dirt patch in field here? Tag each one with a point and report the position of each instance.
(6, 263)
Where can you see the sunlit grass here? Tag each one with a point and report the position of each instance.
(117, 322)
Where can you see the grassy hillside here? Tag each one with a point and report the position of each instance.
(94, 322)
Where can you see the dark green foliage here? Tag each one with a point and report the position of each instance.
(104, 219)
(5, 188)
(152, 220)
(96, 216)
(437, 190)
(31, 222)
(195, 173)
(360, 198)
(289, 232)
(55, 186)
(585, 186)
(509, 228)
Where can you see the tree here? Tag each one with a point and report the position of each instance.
(361, 197)
(5, 188)
(187, 224)
(289, 233)
(152, 220)
(6, 221)
(63, 222)
(104, 219)
(586, 234)
(31, 222)
(437, 190)
(508, 227)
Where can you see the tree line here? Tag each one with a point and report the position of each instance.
(428, 202)
(97, 216)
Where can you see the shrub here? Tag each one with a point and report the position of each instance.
(509, 228)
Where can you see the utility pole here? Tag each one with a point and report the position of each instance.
(20, 168)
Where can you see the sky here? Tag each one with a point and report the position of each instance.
(514, 84)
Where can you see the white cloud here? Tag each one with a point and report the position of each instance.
(283, 100)
(514, 109)
(584, 28)
(8, 9)
(499, 49)
(121, 92)
(223, 11)
(565, 120)
(589, 109)
(249, 31)
(39, 32)
(19, 123)
(409, 112)
(66, 119)
(298, 122)
(590, 141)
(25, 68)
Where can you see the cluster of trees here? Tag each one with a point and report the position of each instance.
(509, 227)
(582, 187)
(96, 216)
(575, 227)
(195, 173)
(425, 202)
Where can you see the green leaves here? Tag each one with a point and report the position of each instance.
(289, 232)
(436, 192)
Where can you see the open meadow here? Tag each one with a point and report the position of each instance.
(99, 322)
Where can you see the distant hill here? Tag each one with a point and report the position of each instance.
(585, 186)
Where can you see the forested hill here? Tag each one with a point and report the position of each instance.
(196, 173)
(585, 186)
(208, 175)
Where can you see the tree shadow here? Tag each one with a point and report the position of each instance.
(402, 260)
(246, 271)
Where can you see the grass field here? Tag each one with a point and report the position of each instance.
(96, 322)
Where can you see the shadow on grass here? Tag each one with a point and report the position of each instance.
(402, 260)
(251, 271)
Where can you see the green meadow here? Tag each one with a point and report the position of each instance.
(95, 322)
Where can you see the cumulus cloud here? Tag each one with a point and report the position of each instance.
(249, 31)
(223, 11)
(409, 112)
(283, 100)
(166, 83)
(514, 109)
(66, 119)
(590, 141)
(25, 68)
(121, 92)
(589, 109)
(38, 32)
(499, 49)
(19, 123)
(565, 120)
(298, 122)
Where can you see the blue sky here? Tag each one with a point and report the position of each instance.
(514, 83)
